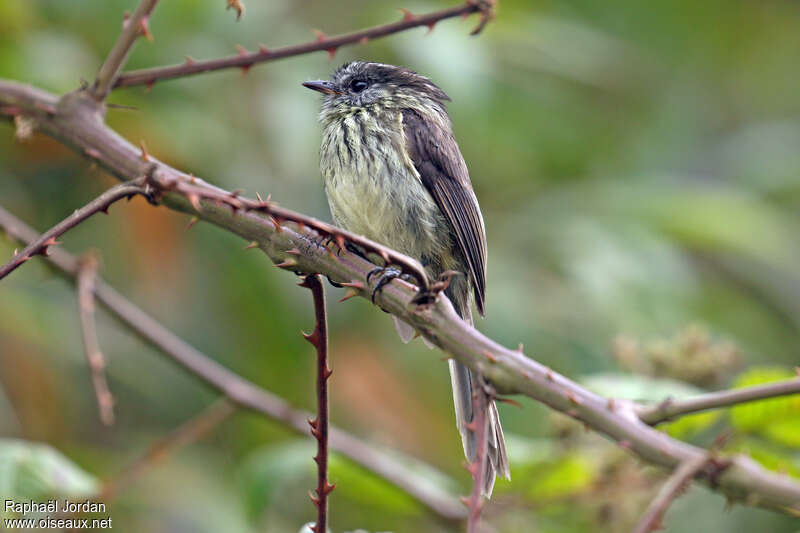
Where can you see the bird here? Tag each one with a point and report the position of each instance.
(393, 172)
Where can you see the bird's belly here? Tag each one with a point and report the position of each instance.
(388, 205)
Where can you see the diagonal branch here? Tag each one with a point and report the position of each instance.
(319, 426)
(240, 391)
(245, 60)
(674, 486)
(671, 408)
(509, 371)
(40, 245)
(132, 28)
(87, 273)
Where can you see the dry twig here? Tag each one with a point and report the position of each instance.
(245, 60)
(87, 273)
(133, 27)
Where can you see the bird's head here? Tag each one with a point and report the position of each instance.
(363, 85)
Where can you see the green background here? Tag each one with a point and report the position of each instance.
(637, 164)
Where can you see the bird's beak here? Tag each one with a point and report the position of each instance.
(324, 87)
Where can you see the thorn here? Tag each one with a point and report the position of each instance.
(263, 49)
(194, 199)
(312, 337)
(466, 501)
(384, 255)
(519, 347)
(125, 18)
(489, 356)
(347, 295)
(238, 6)
(192, 222)
(408, 16)
(189, 60)
(144, 28)
(549, 375)
(259, 198)
(314, 423)
(301, 227)
(91, 152)
(430, 26)
(293, 251)
(314, 528)
(149, 85)
(192, 179)
(277, 224)
(355, 285)
(253, 244)
(287, 264)
(610, 404)
(526, 374)
(144, 155)
(328, 372)
(509, 401)
(472, 468)
(314, 498)
(321, 38)
(573, 399)
(472, 426)
(328, 487)
(339, 241)
(363, 40)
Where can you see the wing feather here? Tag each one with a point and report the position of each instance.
(443, 172)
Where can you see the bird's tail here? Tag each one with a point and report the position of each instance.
(462, 379)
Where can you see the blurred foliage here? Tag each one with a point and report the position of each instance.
(637, 167)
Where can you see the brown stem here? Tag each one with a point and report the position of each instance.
(319, 426)
(87, 274)
(149, 76)
(241, 391)
(478, 468)
(132, 28)
(187, 433)
(45, 240)
(670, 408)
(674, 486)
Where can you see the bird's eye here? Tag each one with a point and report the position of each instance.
(358, 85)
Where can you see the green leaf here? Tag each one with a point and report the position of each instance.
(33, 471)
(761, 416)
(568, 476)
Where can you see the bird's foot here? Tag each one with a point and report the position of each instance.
(385, 276)
(428, 297)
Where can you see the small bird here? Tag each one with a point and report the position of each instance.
(393, 172)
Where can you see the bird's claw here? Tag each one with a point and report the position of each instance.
(385, 276)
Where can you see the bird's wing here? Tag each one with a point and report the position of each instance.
(436, 156)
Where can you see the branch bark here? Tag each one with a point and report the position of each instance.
(101, 203)
(87, 274)
(245, 60)
(78, 124)
(670, 408)
(674, 486)
(240, 391)
(319, 426)
(132, 28)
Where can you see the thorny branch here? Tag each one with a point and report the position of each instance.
(480, 428)
(671, 408)
(319, 426)
(187, 433)
(244, 60)
(674, 486)
(132, 28)
(87, 273)
(75, 120)
(240, 391)
(41, 245)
